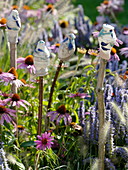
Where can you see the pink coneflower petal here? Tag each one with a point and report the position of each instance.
(50, 113)
(20, 60)
(59, 118)
(95, 34)
(65, 121)
(26, 102)
(116, 57)
(53, 116)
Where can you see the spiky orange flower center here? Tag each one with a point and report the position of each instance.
(106, 2)
(73, 123)
(126, 72)
(23, 81)
(113, 51)
(26, 7)
(20, 127)
(50, 8)
(63, 23)
(0, 71)
(13, 71)
(61, 109)
(15, 97)
(29, 60)
(44, 141)
(57, 45)
(95, 23)
(125, 29)
(14, 7)
(3, 21)
(2, 109)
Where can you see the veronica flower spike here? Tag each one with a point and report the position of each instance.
(5, 114)
(67, 47)
(41, 58)
(44, 141)
(16, 101)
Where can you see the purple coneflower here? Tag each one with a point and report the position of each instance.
(80, 95)
(5, 114)
(27, 63)
(15, 81)
(6, 77)
(59, 114)
(16, 101)
(44, 141)
(113, 53)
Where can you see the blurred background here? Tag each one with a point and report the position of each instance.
(91, 11)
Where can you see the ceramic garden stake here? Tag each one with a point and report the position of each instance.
(13, 27)
(41, 62)
(67, 47)
(107, 39)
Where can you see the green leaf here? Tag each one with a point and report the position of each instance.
(28, 143)
(89, 66)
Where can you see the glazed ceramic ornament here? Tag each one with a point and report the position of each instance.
(107, 39)
(67, 47)
(13, 26)
(41, 59)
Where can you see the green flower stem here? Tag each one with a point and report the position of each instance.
(54, 83)
(51, 92)
(0, 134)
(37, 160)
(78, 62)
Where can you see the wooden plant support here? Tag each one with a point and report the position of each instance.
(13, 63)
(101, 111)
(40, 111)
(54, 83)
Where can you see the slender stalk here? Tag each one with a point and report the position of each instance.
(0, 136)
(51, 92)
(54, 83)
(13, 63)
(37, 160)
(101, 110)
(40, 105)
